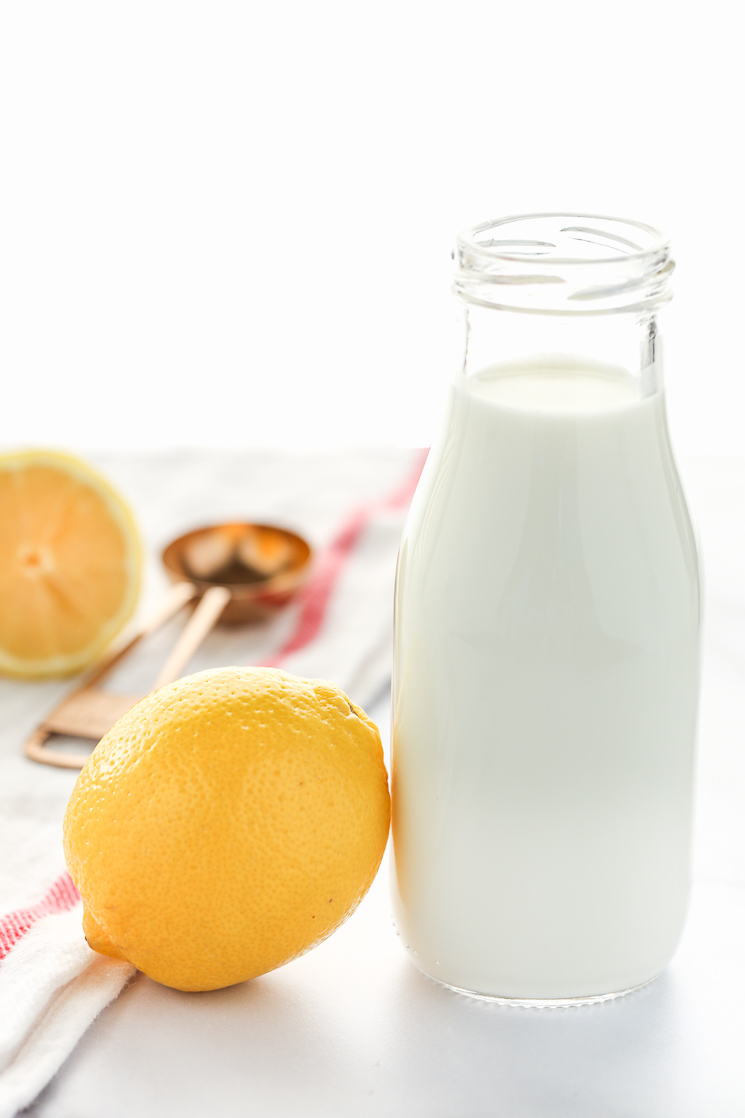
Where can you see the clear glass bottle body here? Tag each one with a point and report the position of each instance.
(546, 658)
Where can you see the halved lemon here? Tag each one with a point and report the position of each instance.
(70, 562)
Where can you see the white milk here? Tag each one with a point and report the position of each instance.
(545, 689)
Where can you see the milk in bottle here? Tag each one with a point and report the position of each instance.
(547, 645)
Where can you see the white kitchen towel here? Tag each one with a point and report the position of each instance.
(52, 985)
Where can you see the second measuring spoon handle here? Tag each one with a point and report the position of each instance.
(199, 625)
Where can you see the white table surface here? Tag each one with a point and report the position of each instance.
(354, 1029)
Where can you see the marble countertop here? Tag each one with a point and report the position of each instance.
(354, 1028)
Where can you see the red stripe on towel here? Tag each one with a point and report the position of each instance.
(62, 896)
(315, 598)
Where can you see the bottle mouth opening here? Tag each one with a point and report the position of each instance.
(555, 263)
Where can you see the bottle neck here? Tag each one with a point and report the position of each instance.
(508, 339)
(556, 288)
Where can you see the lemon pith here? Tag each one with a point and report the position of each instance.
(227, 823)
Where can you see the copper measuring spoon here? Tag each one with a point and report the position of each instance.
(236, 572)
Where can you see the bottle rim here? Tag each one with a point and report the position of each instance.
(530, 262)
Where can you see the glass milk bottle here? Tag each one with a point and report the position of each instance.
(546, 667)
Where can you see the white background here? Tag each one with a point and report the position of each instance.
(230, 223)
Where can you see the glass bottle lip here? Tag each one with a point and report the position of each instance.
(531, 263)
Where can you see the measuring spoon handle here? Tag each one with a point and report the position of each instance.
(199, 625)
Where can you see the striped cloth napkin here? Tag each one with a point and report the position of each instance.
(52, 985)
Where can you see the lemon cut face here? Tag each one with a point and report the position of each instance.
(226, 824)
(70, 562)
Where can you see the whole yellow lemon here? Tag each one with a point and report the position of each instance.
(226, 824)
